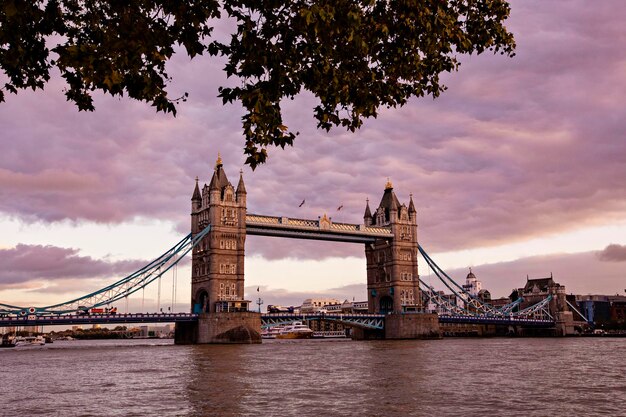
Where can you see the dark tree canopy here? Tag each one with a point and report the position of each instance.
(353, 55)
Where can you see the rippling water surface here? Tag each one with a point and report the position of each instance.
(456, 377)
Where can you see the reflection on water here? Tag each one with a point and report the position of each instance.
(531, 377)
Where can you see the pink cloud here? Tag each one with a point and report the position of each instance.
(282, 297)
(580, 273)
(33, 266)
(613, 253)
(516, 148)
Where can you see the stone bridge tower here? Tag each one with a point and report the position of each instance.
(217, 268)
(392, 276)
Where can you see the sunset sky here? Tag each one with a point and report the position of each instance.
(518, 169)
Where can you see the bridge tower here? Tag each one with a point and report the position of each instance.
(217, 275)
(217, 267)
(392, 276)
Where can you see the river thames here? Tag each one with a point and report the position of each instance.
(450, 377)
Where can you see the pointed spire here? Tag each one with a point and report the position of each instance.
(219, 180)
(395, 204)
(241, 189)
(411, 205)
(196, 193)
(368, 212)
(213, 183)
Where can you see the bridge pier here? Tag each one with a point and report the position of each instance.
(403, 326)
(564, 321)
(412, 326)
(220, 328)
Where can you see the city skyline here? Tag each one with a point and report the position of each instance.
(516, 170)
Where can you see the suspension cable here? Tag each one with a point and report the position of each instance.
(173, 280)
(159, 295)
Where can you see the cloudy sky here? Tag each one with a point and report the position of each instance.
(518, 169)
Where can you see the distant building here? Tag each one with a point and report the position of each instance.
(9, 330)
(447, 299)
(537, 289)
(273, 308)
(314, 305)
(500, 302)
(603, 310)
(348, 307)
(33, 329)
(472, 284)
(156, 331)
(331, 306)
(484, 296)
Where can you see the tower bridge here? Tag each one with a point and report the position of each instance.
(220, 223)
(389, 236)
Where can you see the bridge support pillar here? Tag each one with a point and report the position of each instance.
(230, 328)
(367, 334)
(412, 326)
(564, 321)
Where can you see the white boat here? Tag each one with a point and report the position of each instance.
(296, 330)
(29, 341)
(330, 334)
(271, 333)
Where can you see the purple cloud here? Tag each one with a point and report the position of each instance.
(580, 273)
(516, 148)
(613, 253)
(26, 266)
(282, 297)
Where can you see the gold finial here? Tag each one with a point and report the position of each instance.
(219, 160)
(389, 185)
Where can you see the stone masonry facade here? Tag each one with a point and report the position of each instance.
(392, 275)
(218, 260)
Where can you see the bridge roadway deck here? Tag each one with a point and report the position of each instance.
(347, 318)
(266, 318)
(97, 319)
(509, 321)
(322, 229)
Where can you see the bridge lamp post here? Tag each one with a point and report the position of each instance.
(259, 301)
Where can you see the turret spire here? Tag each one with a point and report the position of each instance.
(196, 193)
(411, 205)
(241, 188)
(368, 212)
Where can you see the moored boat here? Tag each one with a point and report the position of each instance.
(271, 333)
(30, 341)
(7, 342)
(296, 330)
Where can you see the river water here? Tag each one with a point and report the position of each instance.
(450, 377)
